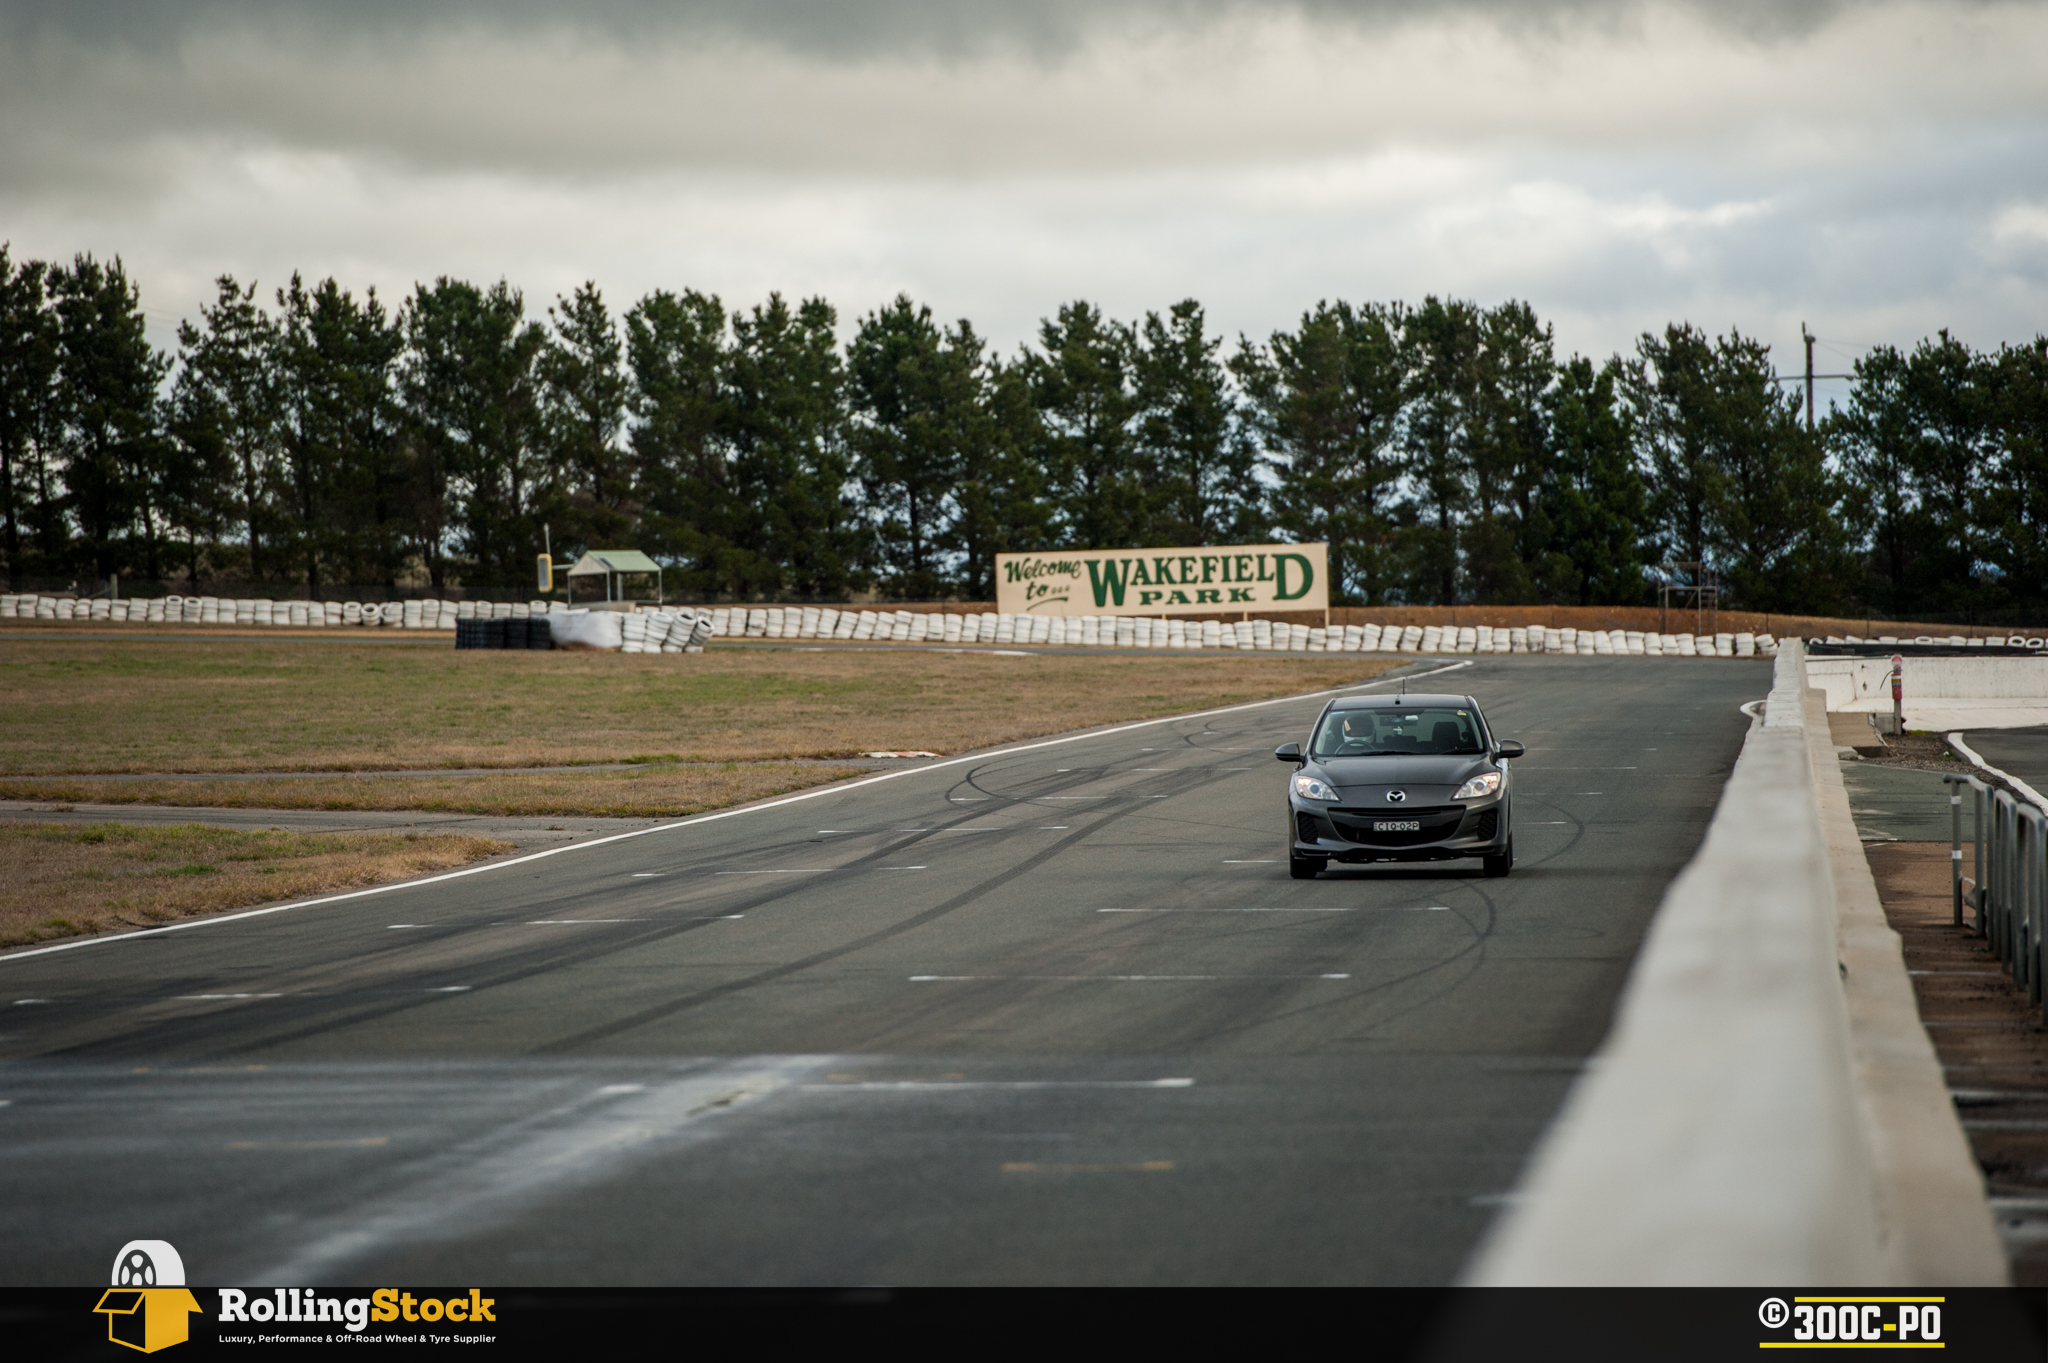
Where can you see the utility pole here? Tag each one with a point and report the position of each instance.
(1807, 336)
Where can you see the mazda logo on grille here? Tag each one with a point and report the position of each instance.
(1395, 797)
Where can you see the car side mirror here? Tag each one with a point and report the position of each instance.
(1508, 747)
(1289, 752)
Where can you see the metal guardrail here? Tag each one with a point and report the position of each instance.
(2008, 894)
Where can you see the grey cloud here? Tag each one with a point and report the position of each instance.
(119, 99)
(837, 29)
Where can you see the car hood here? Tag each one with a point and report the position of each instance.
(1428, 780)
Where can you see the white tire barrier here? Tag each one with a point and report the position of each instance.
(904, 626)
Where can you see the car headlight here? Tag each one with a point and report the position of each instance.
(1309, 788)
(1486, 783)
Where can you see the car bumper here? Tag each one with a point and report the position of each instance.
(1341, 835)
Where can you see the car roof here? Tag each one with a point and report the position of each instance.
(1399, 702)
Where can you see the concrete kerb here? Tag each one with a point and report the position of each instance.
(1757, 1116)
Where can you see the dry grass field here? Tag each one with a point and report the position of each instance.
(707, 729)
(62, 880)
(655, 790)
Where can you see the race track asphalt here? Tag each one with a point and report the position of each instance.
(1055, 1016)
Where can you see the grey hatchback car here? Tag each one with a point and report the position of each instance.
(1400, 778)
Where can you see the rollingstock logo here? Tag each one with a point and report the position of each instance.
(148, 1306)
(1852, 1322)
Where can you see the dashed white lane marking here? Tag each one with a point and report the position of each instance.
(228, 996)
(903, 868)
(18, 1003)
(1304, 908)
(409, 925)
(782, 871)
(969, 799)
(450, 989)
(924, 979)
(1051, 828)
(665, 918)
(645, 875)
(928, 1085)
(622, 1088)
(1342, 908)
(1251, 861)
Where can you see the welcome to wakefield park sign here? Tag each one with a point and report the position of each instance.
(1209, 581)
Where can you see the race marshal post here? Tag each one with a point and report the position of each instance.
(1204, 581)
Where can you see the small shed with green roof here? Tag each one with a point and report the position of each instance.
(614, 566)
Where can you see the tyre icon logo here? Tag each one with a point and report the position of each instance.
(1773, 1313)
(135, 1269)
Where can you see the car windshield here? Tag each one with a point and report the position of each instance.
(1393, 732)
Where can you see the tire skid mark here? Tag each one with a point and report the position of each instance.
(774, 973)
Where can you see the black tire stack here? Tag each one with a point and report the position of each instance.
(531, 633)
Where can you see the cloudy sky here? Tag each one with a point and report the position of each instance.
(1875, 170)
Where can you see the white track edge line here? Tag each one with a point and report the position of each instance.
(1956, 742)
(692, 822)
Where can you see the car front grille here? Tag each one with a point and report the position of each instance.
(1356, 825)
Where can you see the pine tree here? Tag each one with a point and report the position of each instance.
(2012, 516)
(229, 407)
(1196, 457)
(585, 391)
(471, 385)
(1595, 504)
(918, 416)
(113, 445)
(677, 351)
(1508, 452)
(1002, 496)
(346, 486)
(28, 404)
(1082, 387)
(1441, 345)
(790, 465)
(1325, 401)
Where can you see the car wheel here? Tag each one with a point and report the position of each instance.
(1304, 868)
(1505, 862)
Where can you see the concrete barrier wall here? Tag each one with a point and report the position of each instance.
(1733, 1129)
(1866, 683)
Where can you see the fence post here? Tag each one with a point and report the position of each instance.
(1995, 904)
(1955, 843)
(2036, 844)
(1980, 796)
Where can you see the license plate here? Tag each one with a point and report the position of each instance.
(1397, 826)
